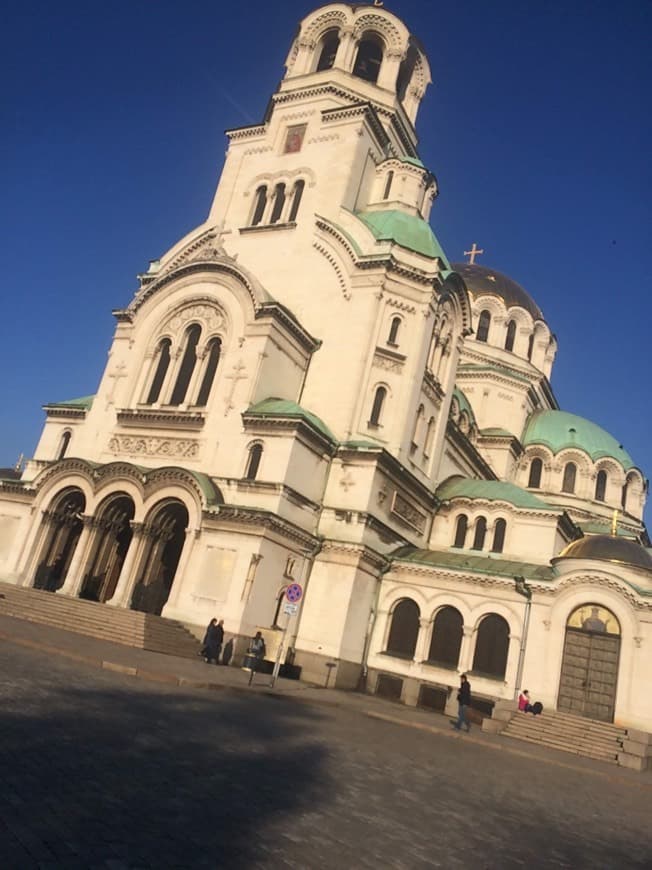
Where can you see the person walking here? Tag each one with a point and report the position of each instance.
(213, 641)
(463, 703)
(257, 652)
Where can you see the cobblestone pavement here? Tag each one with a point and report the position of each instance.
(101, 770)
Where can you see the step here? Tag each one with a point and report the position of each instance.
(90, 618)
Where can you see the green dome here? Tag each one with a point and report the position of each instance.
(491, 490)
(559, 430)
(407, 230)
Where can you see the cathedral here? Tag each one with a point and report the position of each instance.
(305, 392)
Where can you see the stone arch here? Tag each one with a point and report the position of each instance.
(62, 524)
(491, 652)
(446, 638)
(112, 534)
(403, 628)
(164, 535)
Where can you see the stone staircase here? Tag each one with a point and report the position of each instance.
(587, 737)
(129, 627)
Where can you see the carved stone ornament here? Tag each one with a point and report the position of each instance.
(409, 514)
(151, 446)
(389, 365)
(210, 315)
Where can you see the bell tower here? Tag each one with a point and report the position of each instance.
(353, 83)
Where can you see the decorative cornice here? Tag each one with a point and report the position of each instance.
(65, 413)
(250, 517)
(249, 132)
(364, 111)
(256, 422)
(160, 418)
(146, 445)
(280, 313)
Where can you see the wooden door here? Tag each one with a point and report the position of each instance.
(589, 674)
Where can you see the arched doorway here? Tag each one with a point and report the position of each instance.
(110, 547)
(589, 670)
(165, 533)
(64, 520)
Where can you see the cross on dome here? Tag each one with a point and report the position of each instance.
(473, 253)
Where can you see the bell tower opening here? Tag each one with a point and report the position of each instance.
(330, 44)
(369, 58)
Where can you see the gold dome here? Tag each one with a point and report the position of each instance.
(607, 548)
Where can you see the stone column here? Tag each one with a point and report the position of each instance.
(181, 573)
(345, 50)
(124, 587)
(388, 75)
(74, 577)
(466, 650)
(421, 649)
(201, 361)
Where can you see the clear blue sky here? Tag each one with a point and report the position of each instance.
(538, 128)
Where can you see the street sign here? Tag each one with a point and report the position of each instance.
(290, 609)
(294, 592)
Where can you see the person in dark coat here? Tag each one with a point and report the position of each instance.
(227, 655)
(213, 641)
(463, 703)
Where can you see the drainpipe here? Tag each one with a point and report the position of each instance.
(373, 615)
(526, 591)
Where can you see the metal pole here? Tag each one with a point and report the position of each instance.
(523, 589)
(277, 663)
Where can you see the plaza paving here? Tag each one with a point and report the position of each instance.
(103, 770)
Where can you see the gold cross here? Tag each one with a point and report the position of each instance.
(473, 253)
(614, 523)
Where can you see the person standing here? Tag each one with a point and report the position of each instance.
(213, 641)
(463, 703)
(257, 652)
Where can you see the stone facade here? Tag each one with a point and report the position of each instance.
(304, 389)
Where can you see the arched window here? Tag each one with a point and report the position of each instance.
(499, 536)
(279, 603)
(297, 193)
(368, 59)
(260, 203)
(404, 629)
(491, 647)
(530, 346)
(483, 326)
(536, 467)
(279, 202)
(446, 637)
(480, 532)
(460, 531)
(430, 437)
(330, 44)
(601, 486)
(511, 335)
(393, 331)
(419, 423)
(187, 365)
(570, 473)
(161, 370)
(253, 461)
(214, 350)
(388, 184)
(377, 407)
(65, 441)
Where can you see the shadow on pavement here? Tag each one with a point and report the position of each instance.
(154, 780)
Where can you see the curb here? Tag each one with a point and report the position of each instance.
(191, 683)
